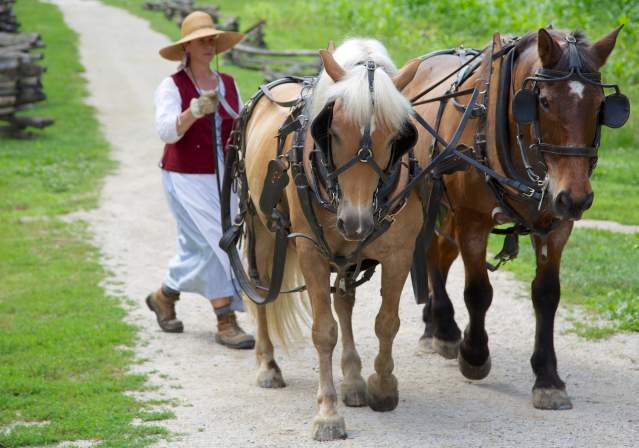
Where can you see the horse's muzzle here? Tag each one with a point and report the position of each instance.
(568, 207)
(353, 225)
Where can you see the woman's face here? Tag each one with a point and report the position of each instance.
(202, 50)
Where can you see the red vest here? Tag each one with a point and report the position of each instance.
(193, 153)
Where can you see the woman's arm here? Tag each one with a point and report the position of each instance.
(184, 121)
(170, 122)
(168, 108)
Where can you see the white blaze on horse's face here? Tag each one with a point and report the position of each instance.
(568, 113)
(359, 182)
(569, 117)
(577, 89)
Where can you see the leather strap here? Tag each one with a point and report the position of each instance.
(573, 151)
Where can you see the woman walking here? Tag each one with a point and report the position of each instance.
(195, 109)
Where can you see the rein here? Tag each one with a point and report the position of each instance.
(324, 176)
(614, 113)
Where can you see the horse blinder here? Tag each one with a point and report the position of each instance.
(524, 106)
(615, 110)
(406, 140)
(320, 126)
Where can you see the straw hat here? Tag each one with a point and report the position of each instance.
(196, 25)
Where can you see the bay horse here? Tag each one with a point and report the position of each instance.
(546, 139)
(359, 131)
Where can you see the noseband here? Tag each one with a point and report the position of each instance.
(613, 112)
(322, 154)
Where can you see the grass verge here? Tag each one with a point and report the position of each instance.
(599, 271)
(64, 349)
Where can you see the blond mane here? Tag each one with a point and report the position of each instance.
(391, 108)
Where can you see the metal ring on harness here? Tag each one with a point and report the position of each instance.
(364, 155)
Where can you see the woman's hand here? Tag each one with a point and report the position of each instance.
(206, 104)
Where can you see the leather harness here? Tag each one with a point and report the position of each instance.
(317, 186)
(315, 175)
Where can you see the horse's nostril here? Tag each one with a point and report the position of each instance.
(563, 201)
(340, 224)
(589, 200)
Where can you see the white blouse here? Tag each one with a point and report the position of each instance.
(168, 106)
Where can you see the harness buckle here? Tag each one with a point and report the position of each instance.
(530, 193)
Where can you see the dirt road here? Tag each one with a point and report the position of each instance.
(217, 403)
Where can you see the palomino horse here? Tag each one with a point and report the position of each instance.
(359, 117)
(545, 137)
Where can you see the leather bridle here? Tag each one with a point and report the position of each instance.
(322, 160)
(614, 111)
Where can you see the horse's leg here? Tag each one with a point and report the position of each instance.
(382, 385)
(549, 391)
(441, 332)
(472, 237)
(327, 424)
(353, 385)
(269, 374)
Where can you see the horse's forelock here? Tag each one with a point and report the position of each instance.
(392, 109)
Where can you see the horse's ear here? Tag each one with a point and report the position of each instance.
(549, 50)
(333, 69)
(604, 46)
(331, 47)
(406, 74)
(497, 40)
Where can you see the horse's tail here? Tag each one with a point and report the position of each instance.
(288, 313)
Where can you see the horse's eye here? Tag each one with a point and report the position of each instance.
(544, 102)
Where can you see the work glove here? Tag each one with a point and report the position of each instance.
(204, 105)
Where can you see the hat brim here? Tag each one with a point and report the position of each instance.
(224, 41)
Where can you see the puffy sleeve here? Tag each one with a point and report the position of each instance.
(168, 106)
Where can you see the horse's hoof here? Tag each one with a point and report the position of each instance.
(447, 349)
(382, 394)
(329, 428)
(354, 393)
(471, 371)
(551, 399)
(271, 378)
(425, 344)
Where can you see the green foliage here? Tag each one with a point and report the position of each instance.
(63, 344)
(616, 185)
(598, 271)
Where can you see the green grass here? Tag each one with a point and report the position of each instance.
(64, 349)
(598, 271)
(615, 182)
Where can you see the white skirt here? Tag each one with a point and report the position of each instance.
(199, 265)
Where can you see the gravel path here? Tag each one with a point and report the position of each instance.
(606, 225)
(217, 403)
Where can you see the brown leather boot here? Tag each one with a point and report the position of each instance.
(230, 334)
(162, 303)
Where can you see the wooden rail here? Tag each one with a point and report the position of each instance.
(20, 75)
